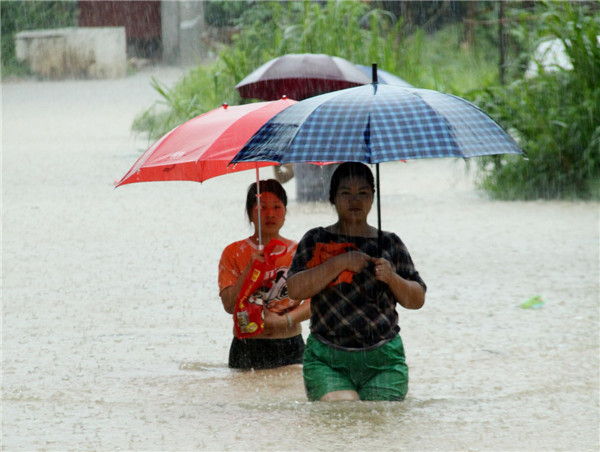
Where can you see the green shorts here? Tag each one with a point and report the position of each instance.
(378, 374)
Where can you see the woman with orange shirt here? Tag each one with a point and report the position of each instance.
(281, 341)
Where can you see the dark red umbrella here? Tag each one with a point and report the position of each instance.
(301, 75)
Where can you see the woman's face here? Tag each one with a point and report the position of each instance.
(272, 214)
(353, 200)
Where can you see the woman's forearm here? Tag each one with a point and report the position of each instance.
(229, 294)
(307, 283)
(228, 297)
(301, 313)
(408, 293)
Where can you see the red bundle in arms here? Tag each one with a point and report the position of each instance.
(248, 314)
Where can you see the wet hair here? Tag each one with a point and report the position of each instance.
(266, 186)
(350, 169)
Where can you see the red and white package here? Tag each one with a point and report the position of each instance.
(248, 315)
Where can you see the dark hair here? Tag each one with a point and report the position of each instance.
(266, 186)
(349, 169)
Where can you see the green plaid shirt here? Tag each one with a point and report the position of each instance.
(361, 313)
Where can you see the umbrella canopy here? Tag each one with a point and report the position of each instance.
(202, 147)
(377, 123)
(384, 77)
(301, 75)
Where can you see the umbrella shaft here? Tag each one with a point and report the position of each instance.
(260, 243)
(379, 233)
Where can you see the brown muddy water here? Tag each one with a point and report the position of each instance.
(113, 336)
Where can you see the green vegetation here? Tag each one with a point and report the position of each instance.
(556, 115)
(352, 30)
(452, 47)
(202, 89)
(20, 16)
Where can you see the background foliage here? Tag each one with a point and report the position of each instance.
(449, 46)
(361, 32)
(556, 115)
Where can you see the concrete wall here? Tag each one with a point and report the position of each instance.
(94, 52)
(101, 52)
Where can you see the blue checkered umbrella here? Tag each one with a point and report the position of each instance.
(377, 123)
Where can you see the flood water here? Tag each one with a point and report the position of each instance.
(114, 338)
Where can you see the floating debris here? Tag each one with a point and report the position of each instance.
(533, 303)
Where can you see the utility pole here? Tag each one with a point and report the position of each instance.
(502, 42)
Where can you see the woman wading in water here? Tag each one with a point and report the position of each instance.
(281, 341)
(354, 350)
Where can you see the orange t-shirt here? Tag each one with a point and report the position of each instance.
(235, 259)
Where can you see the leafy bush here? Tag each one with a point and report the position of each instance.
(223, 14)
(556, 115)
(201, 90)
